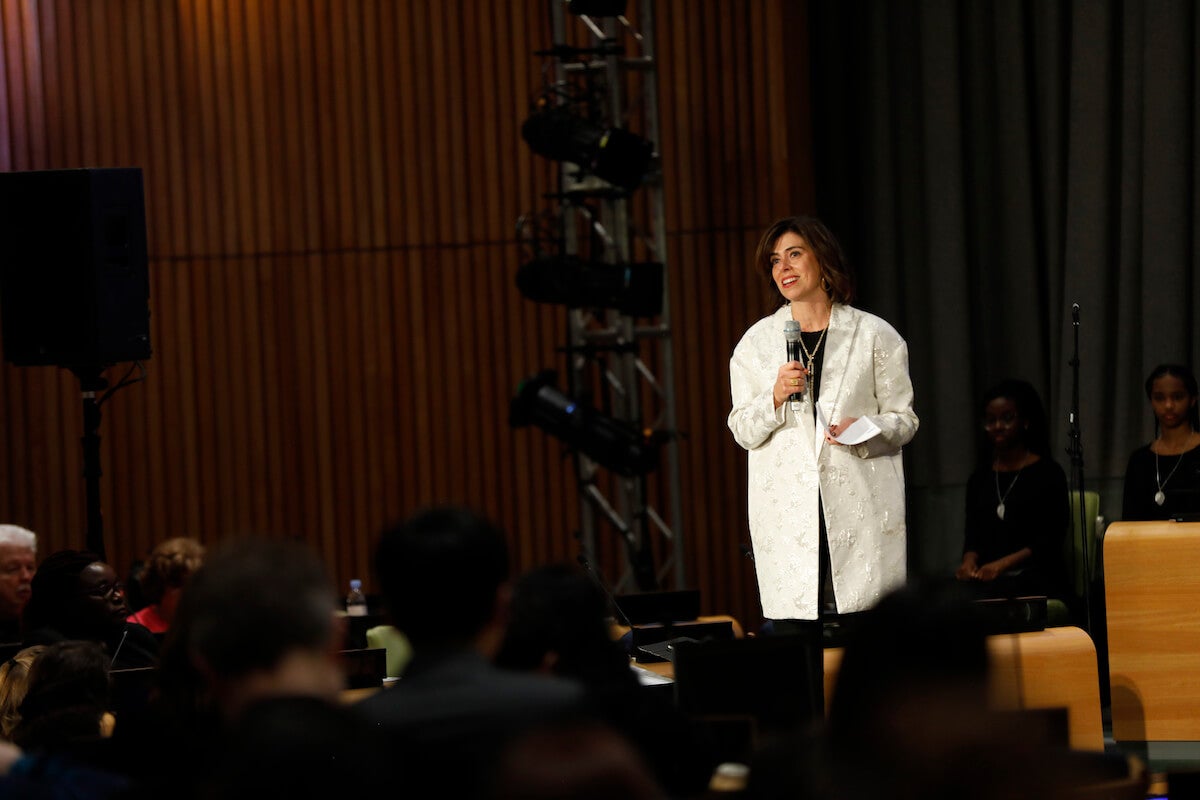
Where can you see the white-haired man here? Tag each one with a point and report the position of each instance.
(18, 563)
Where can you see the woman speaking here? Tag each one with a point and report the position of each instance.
(823, 420)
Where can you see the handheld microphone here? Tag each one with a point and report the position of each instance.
(791, 333)
(1075, 313)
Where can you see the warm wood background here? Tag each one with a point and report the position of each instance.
(331, 192)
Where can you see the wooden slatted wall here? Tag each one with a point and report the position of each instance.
(331, 192)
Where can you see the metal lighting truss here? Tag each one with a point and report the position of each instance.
(638, 372)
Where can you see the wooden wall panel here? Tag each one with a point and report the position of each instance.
(331, 190)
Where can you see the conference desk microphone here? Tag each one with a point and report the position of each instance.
(612, 600)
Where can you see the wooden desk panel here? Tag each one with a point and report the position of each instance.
(616, 631)
(1053, 668)
(1152, 591)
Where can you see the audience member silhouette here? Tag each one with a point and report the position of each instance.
(18, 563)
(67, 699)
(42, 776)
(14, 683)
(61, 749)
(910, 714)
(257, 620)
(249, 682)
(559, 623)
(170, 564)
(572, 761)
(911, 692)
(78, 596)
(301, 746)
(444, 576)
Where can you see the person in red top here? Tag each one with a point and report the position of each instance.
(167, 570)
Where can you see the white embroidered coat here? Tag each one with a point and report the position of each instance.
(792, 468)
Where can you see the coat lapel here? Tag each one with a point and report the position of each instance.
(838, 341)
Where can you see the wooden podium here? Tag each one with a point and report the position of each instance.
(1152, 591)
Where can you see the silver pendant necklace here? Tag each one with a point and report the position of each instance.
(811, 358)
(1160, 497)
(1001, 498)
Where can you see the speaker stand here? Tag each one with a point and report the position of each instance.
(91, 384)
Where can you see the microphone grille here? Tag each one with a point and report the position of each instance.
(791, 330)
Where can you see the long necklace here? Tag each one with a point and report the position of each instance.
(1001, 498)
(810, 357)
(1160, 497)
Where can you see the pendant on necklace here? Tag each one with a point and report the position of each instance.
(1000, 510)
(1159, 497)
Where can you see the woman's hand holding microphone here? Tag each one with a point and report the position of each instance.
(792, 379)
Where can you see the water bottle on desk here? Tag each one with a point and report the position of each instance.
(356, 601)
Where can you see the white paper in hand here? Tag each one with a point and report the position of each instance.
(860, 431)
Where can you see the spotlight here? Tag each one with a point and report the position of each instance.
(597, 8)
(608, 442)
(613, 154)
(632, 289)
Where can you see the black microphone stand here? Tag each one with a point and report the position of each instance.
(92, 384)
(1075, 451)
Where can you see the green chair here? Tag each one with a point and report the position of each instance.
(1078, 578)
(399, 651)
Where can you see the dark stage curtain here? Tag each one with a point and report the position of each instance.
(987, 164)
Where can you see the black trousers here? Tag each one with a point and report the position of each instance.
(813, 630)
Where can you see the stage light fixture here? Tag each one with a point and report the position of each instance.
(610, 443)
(612, 154)
(597, 8)
(635, 289)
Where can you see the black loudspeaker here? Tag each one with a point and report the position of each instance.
(74, 284)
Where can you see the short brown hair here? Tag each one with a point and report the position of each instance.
(170, 565)
(836, 277)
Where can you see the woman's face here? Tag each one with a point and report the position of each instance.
(1170, 400)
(1002, 423)
(795, 269)
(102, 597)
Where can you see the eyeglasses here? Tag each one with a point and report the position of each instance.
(106, 590)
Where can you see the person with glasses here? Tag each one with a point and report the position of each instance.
(76, 596)
(1017, 506)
